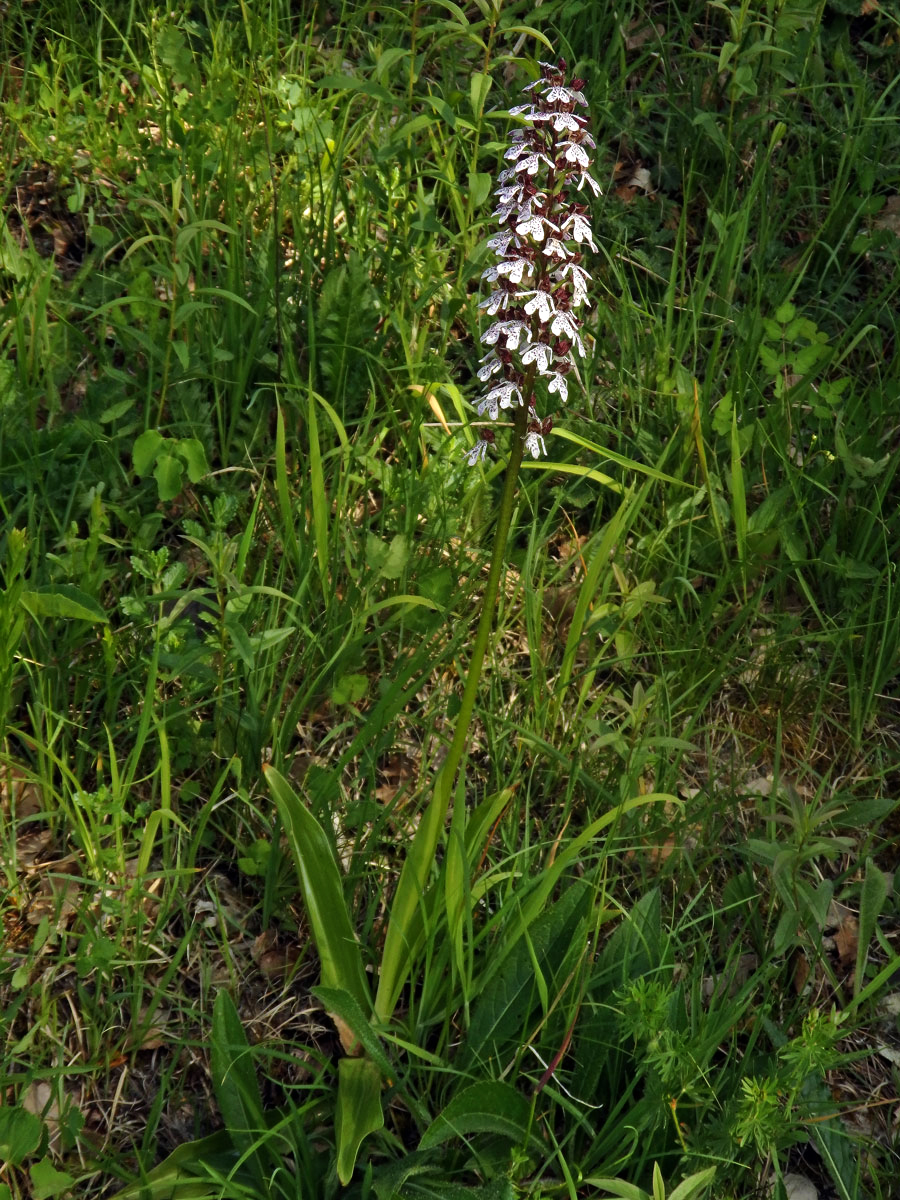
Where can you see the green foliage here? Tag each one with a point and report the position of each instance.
(240, 256)
(169, 459)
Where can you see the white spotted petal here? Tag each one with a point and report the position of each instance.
(534, 444)
(538, 353)
(477, 453)
(540, 303)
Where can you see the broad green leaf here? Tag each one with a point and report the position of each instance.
(631, 464)
(405, 928)
(388, 559)
(529, 31)
(457, 898)
(636, 946)
(62, 600)
(693, 1185)
(403, 601)
(455, 11)
(119, 409)
(266, 639)
(738, 498)
(619, 1187)
(348, 83)
(349, 689)
(831, 1141)
(47, 1181)
(479, 187)
(234, 1082)
(176, 1176)
(191, 450)
(479, 86)
(559, 468)
(145, 450)
(359, 1110)
(168, 473)
(323, 894)
(388, 59)
(506, 1003)
(428, 1180)
(489, 1107)
(20, 1134)
(240, 640)
(614, 529)
(388, 1178)
(482, 820)
(538, 897)
(320, 504)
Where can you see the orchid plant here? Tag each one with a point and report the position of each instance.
(539, 288)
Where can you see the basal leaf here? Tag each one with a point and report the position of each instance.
(235, 1085)
(323, 893)
(489, 1107)
(359, 1110)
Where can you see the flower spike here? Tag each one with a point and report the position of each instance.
(539, 287)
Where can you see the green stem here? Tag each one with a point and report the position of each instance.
(444, 781)
(405, 929)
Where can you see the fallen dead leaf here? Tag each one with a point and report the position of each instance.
(641, 179)
(638, 34)
(38, 1099)
(19, 795)
(801, 972)
(349, 1041)
(846, 941)
(273, 961)
(30, 847)
(57, 899)
(889, 217)
(798, 1187)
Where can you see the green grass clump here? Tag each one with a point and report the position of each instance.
(240, 262)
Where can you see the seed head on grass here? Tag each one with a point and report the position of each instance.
(538, 280)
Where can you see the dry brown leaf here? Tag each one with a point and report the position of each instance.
(273, 961)
(625, 194)
(642, 179)
(19, 795)
(846, 941)
(639, 34)
(276, 964)
(801, 972)
(798, 1187)
(30, 847)
(38, 1099)
(889, 217)
(349, 1042)
(57, 899)
(151, 1038)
